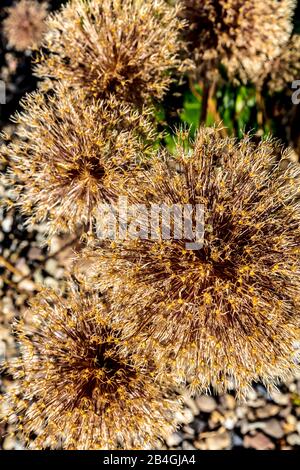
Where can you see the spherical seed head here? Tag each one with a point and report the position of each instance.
(241, 35)
(25, 24)
(70, 156)
(285, 69)
(75, 389)
(228, 310)
(123, 47)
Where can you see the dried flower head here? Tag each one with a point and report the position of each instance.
(229, 310)
(70, 156)
(125, 47)
(25, 24)
(241, 35)
(75, 388)
(286, 68)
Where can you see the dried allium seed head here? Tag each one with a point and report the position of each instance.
(241, 35)
(228, 310)
(25, 24)
(71, 156)
(286, 68)
(125, 47)
(75, 389)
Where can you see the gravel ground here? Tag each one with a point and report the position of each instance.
(222, 423)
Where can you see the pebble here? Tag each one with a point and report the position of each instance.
(38, 277)
(274, 429)
(247, 427)
(186, 445)
(280, 398)
(35, 253)
(188, 430)
(230, 420)
(290, 425)
(200, 445)
(237, 441)
(51, 266)
(262, 391)
(252, 395)
(293, 440)
(27, 285)
(267, 411)
(293, 388)
(7, 224)
(51, 283)
(206, 404)
(9, 443)
(60, 272)
(7, 306)
(184, 417)
(228, 401)
(284, 412)
(241, 411)
(258, 442)
(56, 244)
(215, 419)
(19, 446)
(258, 403)
(219, 441)
(198, 425)
(174, 439)
(23, 267)
(188, 416)
(190, 403)
(251, 415)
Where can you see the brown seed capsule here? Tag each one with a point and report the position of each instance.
(124, 47)
(78, 386)
(285, 69)
(25, 24)
(70, 156)
(240, 35)
(228, 310)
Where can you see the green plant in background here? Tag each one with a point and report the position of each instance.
(296, 399)
(235, 107)
(192, 105)
(236, 69)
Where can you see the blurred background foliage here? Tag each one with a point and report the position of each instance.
(239, 108)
